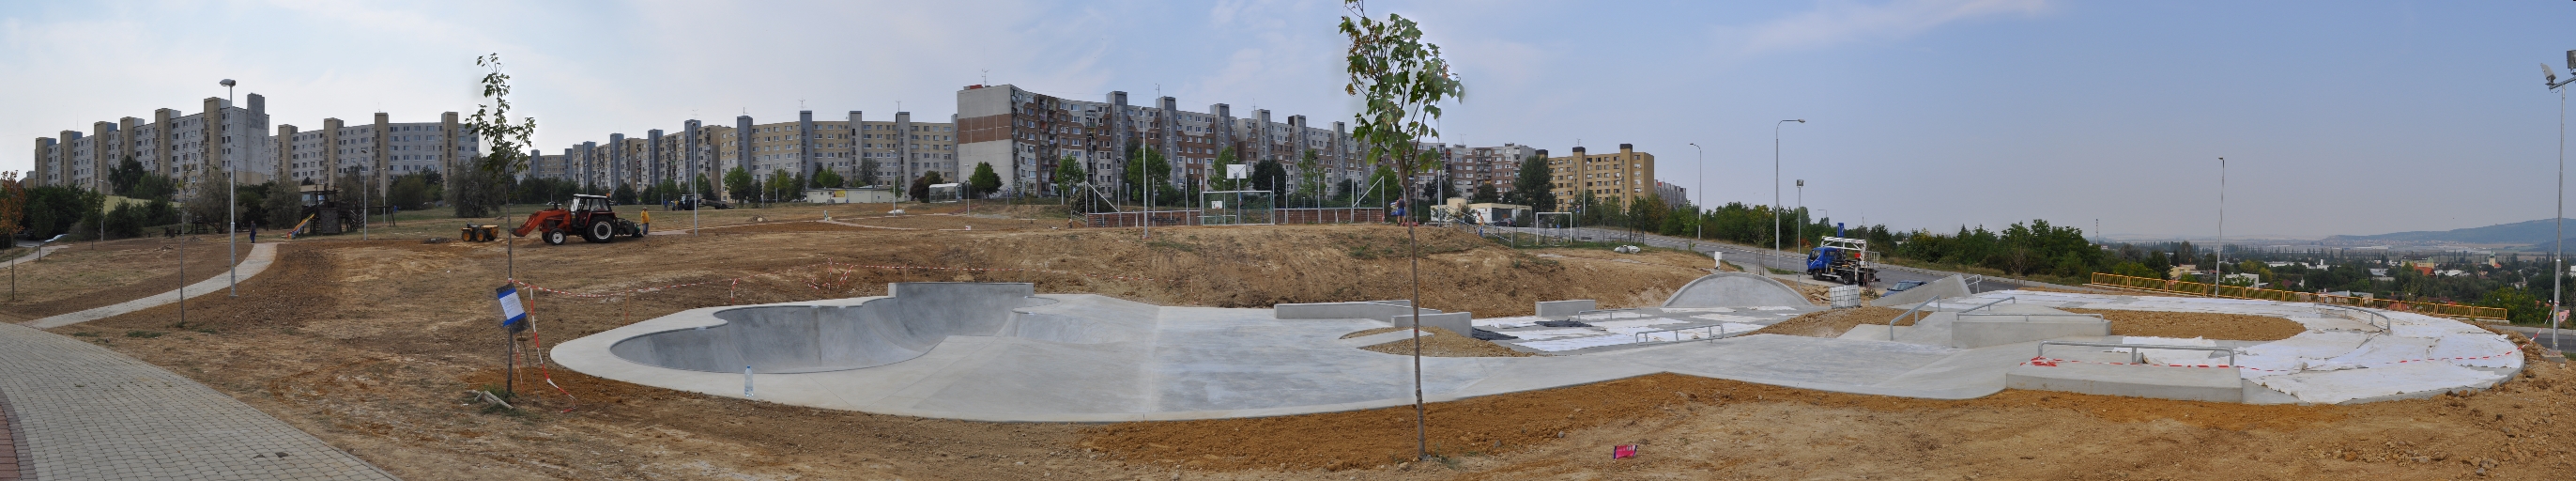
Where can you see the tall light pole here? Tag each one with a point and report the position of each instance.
(1699, 227)
(2557, 258)
(1775, 183)
(1802, 213)
(232, 241)
(2219, 269)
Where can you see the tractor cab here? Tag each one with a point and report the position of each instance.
(590, 203)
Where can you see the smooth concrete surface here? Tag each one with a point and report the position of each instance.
(1971, 330)
(1735, 289)
(1943, 288)
(1556, 309)
(1380, 310)
(994, 352)
(257, 261)
(1455, 322)
(2158, 382)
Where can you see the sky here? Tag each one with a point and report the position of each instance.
(2344, 117)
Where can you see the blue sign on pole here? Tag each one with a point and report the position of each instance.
(513, 315)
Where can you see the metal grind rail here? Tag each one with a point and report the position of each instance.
(1716, 331)
(2384, 324)
(1891, 322)
(2136, 356)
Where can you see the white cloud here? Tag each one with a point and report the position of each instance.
(1836, 22)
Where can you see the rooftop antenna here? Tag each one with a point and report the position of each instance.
(986, 78)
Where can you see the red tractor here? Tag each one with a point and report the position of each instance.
(588, 215)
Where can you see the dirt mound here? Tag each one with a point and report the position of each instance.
(2237, 327)
(1441, 343)
(1834, 322)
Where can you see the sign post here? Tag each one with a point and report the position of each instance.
(514, 318)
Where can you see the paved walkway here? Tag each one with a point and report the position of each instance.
(85, 412)
(260, 256)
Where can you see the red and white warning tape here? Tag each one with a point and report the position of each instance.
(2052, 362)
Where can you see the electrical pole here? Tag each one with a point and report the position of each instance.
(232, 224)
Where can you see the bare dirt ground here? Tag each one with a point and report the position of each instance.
(93, 274)
(2239, 327)
(1834, 322)
(372, 346)
(1441, 343)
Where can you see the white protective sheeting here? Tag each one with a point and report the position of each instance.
(2290, 355)
(2380, 351)
(1726, 318)
(1552, 333)
(2333, 324)
(2330, 387)
(1588, 318)
(2482, 351)
(1506, 322)
(1634, 323)
(2173, 356)
(1554, 345)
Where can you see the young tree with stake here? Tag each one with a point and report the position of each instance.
(1403, 81)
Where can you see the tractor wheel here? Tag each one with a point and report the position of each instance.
(554, 237)
(600, 231)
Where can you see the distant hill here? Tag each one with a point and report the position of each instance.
(2525, 233)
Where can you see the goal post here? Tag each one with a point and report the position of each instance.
(1238, 207)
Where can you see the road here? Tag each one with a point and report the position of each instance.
(1888, 275)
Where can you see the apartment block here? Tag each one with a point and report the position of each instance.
(1612, 177)
(223, 137)
(1024, 134)
(899, 148)
(1673, 195)
(1468, 167)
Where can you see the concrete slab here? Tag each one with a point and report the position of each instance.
(2158, 382)
(1944, 288)
(1456, 322)
(1558, 309)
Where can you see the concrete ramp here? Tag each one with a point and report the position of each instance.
(877, 332)
(1735, 289)
(1945, 288)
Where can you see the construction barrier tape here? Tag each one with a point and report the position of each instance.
(2052, 362)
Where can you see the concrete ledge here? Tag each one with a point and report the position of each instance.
(1379, 310)
(2159, 382)
(1565, 308)
(1457, 322)
(1982, 331)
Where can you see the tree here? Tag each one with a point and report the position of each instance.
(1068, 173)
(828, 179)
(738, 183)
(1144, 165)
(1485, 194)
(13, 205)
(1269, 175)
(125, 176)
(984, 181)
(624, 195)
(1531, 187)
(409, 192)
(285, 205)
(921, 186)
(1310, 176)
(1217, 174)
(867, 175)
(1403, 81)
(481, 191)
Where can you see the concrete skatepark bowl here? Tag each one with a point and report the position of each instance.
(1001, 352)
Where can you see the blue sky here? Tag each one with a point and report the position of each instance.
(2349, 117)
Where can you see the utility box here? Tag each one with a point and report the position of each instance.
(1843, 296)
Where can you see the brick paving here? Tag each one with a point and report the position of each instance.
(80, 411)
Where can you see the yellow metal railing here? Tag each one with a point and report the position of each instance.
(2241, 292)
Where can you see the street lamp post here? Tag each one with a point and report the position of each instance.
(2557, 257)
(1802, 213)
(1699, 227)
(232, 225)
(1775, 184)
(2219, 269)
